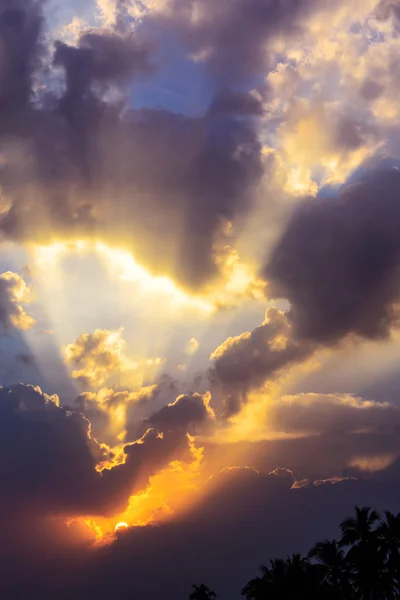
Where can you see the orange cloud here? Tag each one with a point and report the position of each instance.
(170, 491)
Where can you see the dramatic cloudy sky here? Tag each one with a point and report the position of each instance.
(199, 287)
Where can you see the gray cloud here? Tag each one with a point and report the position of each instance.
(338, 261)
(22, 51)
(253, 527)
(330, 413)
(158, 168)
(49, 457)
(387, 8)
(143, 178)
(247, 361)
(85, 164)
(47, 453)
(187, 410)
(231, 37)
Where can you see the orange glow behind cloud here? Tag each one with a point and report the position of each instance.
(173, 490)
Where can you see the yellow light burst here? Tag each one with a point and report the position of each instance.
(128, 269)
(238, 279)
(121, 263)
(173, 489)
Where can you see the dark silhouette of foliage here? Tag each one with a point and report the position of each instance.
(364, 564)
(202, 592)
(335, 567)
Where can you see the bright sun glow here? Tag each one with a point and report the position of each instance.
(128, 269)
(171, 490)
(237, 279)
(122, 264)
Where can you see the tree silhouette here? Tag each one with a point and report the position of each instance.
(363, 565)
(202, 592)
(359, 530)
(334, 566)
(368, 572)
(257, 587)
(292, 579)
(388, 532)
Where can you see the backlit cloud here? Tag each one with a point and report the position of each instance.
(206, 193)
(334, 256)
(247, 361)
(54, 458)
(100, 357)
(192, 346)
(109, 410)
(187, 410)
(14, 292)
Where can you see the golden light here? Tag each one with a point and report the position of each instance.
(175, 489)
(122, 264)
(240, 279)
(372, 464)
(300, 183)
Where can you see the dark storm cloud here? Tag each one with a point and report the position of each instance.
(338, 261)
(187, 410)
(231, 36)
(160, 183)
(388, 8)
(48, 458)
(245, 362)
(251, 526)
(21, 52)
(254, 527)
(83, 164)
(46, 452)
(99, 57)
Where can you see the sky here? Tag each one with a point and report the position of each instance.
(199, 287)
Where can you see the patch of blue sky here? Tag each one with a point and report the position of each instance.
(13, 257)
(58, 14)
(179, 84)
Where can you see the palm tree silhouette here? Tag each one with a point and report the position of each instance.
(334, 566)
(202, 592)
(363, 565)
(274, 581)
(366, 556)
(257, 587)
(389, 537)
(359, 530)
(277, 574)
(292, 579)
